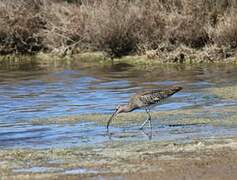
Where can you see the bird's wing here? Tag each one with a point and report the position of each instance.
(148, 97)
(149, 92)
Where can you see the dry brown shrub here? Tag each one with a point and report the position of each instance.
(225, 32)
(185, 24)
(117, 27)
(110, 27)
(121, 27)
(58, 30)
(20, 23)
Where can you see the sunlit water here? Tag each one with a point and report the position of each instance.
(40, 93)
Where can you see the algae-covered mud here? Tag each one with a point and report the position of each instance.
(53, 117)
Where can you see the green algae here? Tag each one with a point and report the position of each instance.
(227, 92)
(213, 116)
(91, 57)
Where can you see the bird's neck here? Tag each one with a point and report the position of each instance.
(128, 108)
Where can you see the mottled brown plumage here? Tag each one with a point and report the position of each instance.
(145, 100)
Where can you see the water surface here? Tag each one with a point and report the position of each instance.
(37, 93)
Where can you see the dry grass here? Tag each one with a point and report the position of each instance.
(116, 27)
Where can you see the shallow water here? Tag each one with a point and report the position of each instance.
(41, 93)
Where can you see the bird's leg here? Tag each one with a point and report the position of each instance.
(143, 124)
(149, 135)
(149, 119)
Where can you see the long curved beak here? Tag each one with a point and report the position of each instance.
(110, 119)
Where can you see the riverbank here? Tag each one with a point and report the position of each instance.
(98, 59)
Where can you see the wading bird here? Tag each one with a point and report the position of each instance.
(145, 100)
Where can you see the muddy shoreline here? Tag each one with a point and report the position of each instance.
(205, 159)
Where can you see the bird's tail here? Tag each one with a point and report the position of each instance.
(176, 88)
(173, 90)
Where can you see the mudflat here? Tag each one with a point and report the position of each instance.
(216, 162)
(200, 159)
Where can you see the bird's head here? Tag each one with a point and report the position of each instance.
(121, 108)
(118, 109)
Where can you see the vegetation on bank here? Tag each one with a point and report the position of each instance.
(172, 30)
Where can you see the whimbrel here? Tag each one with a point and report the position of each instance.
(145, 100)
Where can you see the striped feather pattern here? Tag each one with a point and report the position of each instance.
(149, 98)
